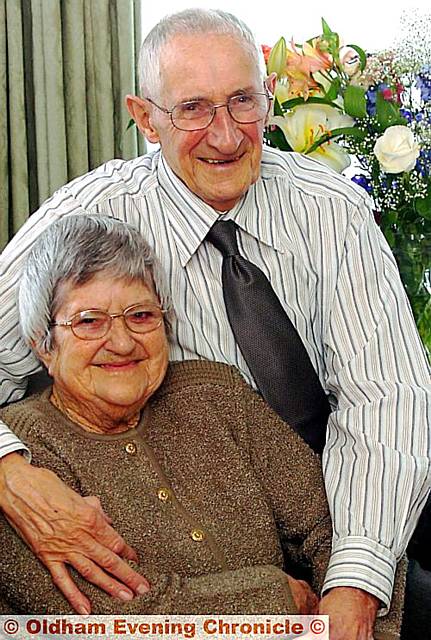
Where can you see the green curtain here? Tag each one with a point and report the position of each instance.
(65, 67)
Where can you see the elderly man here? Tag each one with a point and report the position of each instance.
(340, 303)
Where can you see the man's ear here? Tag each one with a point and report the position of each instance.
(140, 111)
(270, 82)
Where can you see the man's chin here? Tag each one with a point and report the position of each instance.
(226, 195)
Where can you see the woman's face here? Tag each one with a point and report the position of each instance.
(109, 379)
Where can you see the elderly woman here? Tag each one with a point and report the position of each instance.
(198, 474)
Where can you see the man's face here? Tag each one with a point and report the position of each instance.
(218, 163)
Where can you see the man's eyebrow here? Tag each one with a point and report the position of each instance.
(249, 89)
(192, 99)
(236, 92)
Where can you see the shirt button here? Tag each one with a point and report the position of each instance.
(198, 535)
(163, 494)
(130, 448)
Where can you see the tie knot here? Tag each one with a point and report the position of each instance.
(223, 236)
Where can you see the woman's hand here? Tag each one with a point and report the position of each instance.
(352, 613)
(303, 596)
(62, 528)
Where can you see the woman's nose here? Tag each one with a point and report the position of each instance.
(119, 337)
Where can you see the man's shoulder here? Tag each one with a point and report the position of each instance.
(309, 177)
(114, 179)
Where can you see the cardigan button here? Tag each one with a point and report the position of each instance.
(163, 494)
(198, 535)
(131, 448)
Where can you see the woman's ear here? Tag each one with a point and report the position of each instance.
(141, 112)
(44, 356)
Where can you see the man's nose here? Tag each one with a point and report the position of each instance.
(224, 133)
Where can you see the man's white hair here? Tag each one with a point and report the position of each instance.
(190, 22)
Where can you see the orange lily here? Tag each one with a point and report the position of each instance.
(298, 71)
(300, 65)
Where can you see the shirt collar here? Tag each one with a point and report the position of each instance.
(191, 218)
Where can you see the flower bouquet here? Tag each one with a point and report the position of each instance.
(371, 113)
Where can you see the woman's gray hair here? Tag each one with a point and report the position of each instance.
(190, 22)
(71, 251)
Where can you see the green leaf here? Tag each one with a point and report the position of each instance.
(361, 53)
(327, 31)
(390, 237)
(331, 37)
(423, 206)
(355, 103)
(278, 111)
(387, 112)
(390, 216)
(334, 89)
(275, 138)
(294, 102)
(349, 131)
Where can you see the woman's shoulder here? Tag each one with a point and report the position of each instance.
(202, 391)
(201, 373)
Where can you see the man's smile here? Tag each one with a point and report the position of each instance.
(221, 161)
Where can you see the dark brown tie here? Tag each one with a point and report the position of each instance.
(269, 342)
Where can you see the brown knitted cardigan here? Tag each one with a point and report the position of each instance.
(210, 489)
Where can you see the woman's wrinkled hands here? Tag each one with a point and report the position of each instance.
(304, 597)
(352, 613)
(62, 528)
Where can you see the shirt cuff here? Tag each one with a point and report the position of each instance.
(15, 447)
(365, 564)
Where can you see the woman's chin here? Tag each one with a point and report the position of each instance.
(121, 402)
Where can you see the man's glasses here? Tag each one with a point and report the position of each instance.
(193, 115)
(93, 324)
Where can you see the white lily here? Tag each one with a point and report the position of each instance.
(306, 123)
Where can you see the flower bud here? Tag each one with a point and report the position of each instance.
(277, 58)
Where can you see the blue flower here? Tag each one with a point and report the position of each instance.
(423, 83)
(423, 164)
(371, 97)
(407, 114)
(363, 182)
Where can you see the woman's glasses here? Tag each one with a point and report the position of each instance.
(93, 324)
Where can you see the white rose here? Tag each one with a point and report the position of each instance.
(396, 150)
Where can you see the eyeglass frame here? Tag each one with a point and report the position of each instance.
(169, 112)
(111, 316)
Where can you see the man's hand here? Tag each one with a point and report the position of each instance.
(304, 597)
(352, 613)
(63, 528)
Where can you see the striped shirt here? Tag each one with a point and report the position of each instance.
(312, 233)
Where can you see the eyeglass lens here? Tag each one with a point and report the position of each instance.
(198, 114)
